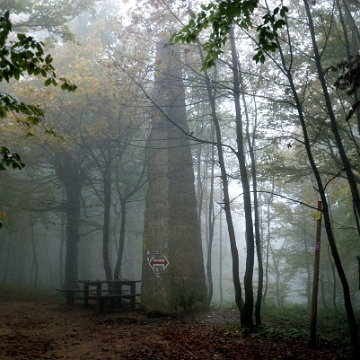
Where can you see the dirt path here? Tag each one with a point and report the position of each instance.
(52, 330)
(48, 329)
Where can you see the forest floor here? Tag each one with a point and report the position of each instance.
(49, 329)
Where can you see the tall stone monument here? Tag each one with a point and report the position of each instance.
(173, 269)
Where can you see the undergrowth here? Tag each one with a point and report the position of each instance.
(293, 322)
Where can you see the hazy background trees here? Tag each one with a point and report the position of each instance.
(104, 128)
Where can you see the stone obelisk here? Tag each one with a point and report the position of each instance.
(173, 269)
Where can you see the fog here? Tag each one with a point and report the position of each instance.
(77, 209)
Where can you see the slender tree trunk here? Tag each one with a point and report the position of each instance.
(349, 52)
(124, 198)
(221, 262)
(226, 202)
(117, 270)
(199, 184)
(321, 190)
(62, 242)
(73, 192)
(211, 225)
(106, 225)
(251, 143)
(323, 290)
(7, 258)
(35, 263)
(354, 49)
(334, 127)
(278, 292)
(307, 262)
(353, 187)
(268, 237)
(247, 309)
(70, 174)
(333, 274)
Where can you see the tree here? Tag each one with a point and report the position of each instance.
(18, 58)
(221, 16)
(287, 65)
(25, 56)
(50, 16)
(21, 57)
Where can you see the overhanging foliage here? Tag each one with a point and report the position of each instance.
(220, 16)
(24, 56)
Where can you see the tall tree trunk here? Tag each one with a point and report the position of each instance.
(117, 270)
(62, 243)
(7, 257)
(221, 262)
(321, 190)
(333, 274)
(211, 225)
(35, 263)
(124, 196)
(307, 262)
(69, 171)
(226, 202)
(106, 225)
(353, 188)
(334, 126)
(268, 238)
(250, 136)
(73, 192)
(199, 183)
(247, 309)
(350, 52)
(278, 290)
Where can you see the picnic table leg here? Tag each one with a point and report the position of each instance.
(86, 294)
(133, 298)
(98, 289)
(99, 300)
(70, 298)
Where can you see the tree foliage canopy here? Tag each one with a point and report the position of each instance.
(50, 15)
(20, 57)
(220, 16)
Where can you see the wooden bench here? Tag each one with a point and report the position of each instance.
(70, 295)
(100, 300)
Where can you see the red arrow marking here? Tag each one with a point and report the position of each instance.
(164, 262)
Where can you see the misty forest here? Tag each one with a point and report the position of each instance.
(204, 153)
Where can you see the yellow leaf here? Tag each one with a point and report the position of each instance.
(317, 216)
(3, 215)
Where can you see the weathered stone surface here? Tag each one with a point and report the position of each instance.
(173, 270)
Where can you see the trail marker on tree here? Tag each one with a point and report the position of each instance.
(317, 217)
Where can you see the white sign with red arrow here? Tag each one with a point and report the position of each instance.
(159, 261)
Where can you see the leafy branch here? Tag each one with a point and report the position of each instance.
(220, 16)
(24, 56)
(348, 80)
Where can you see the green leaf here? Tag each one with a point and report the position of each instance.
(21, 37)
(48, 59)
(283, 11)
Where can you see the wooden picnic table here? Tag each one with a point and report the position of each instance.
(122, 290)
